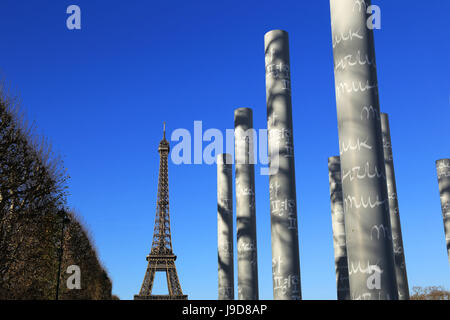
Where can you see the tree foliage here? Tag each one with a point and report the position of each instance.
(32, 190)
(430, 293)
(78, 250)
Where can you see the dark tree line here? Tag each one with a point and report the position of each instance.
(78, 250)
(33, 188)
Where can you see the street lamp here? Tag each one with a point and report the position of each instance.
(64, 221)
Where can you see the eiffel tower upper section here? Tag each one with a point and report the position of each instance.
(162, 240)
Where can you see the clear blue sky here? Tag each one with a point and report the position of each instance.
(101, 94)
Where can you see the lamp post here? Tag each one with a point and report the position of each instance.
(64, 220)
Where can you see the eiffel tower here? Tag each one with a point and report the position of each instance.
(161, 257)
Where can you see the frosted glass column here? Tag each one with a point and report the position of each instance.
(283, 199)
(443, 172)
(338, 224)
(225, 226)
(397, 239)
(366, 204)
(245, 205)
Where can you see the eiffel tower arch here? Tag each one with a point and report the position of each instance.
(161, 257)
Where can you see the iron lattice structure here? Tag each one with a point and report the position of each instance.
(161, 257)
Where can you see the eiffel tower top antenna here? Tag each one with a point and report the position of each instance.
(164, 124)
